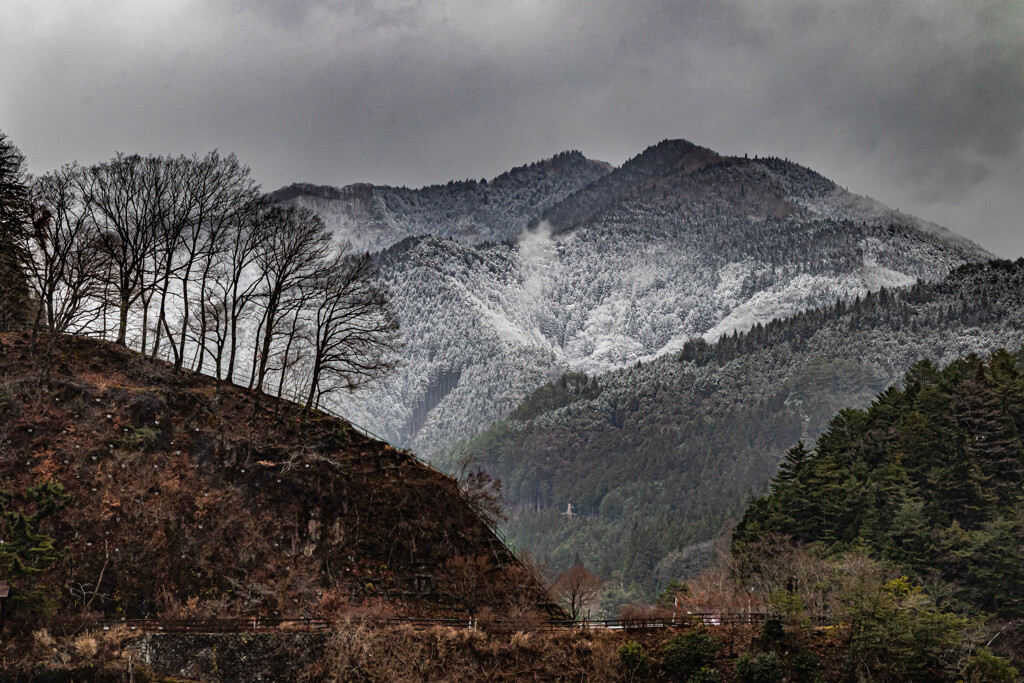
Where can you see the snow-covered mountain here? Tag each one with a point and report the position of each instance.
(565, 265)
(375, 217)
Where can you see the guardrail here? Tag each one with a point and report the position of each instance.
(258, 624)
(216, 625)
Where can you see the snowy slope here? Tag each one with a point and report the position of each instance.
(675, 244)
(375, 217)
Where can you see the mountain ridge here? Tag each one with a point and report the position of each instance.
(375, 217)
(677, 243)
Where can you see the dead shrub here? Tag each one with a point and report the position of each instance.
(340, 610)
(520, 640)
(85, 645)
(42, 638)
(333, 605)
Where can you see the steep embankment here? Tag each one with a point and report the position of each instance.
(677, 243)
(664, 454)
(188, 497)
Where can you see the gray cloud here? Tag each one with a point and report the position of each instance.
(916, 103)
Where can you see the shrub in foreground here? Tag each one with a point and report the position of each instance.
(688, 652)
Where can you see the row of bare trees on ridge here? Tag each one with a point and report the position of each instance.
(184, 257)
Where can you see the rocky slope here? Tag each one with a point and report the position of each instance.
(678, 243)
(189, 497)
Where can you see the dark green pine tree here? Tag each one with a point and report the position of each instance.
(994, 573)
(790, 469)
(990, 436)
(14, 289)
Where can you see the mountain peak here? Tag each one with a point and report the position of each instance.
(668, 157)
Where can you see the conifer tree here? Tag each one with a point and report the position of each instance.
(14, 290)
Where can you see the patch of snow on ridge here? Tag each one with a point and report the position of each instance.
(875, 277)
(777, 302)
(793, 297)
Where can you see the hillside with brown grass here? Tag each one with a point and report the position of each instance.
(190, 498)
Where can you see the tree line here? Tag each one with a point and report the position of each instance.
(185, 257)
(930, 478)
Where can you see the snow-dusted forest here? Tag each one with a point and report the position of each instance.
(658, 458)
(678, 243)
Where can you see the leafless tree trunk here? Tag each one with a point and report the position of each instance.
(297, 243)
(288, 359)
(121, 193)
(221, 188)
(64, 268)
(354, 331)
(576, 588)
(246, 240)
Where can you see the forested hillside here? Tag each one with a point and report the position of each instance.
(678, 243)
(666, 454)
(373, 217)
(928, 478)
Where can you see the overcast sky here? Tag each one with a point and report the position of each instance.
(918, 103)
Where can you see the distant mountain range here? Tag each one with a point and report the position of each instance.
(571, 265)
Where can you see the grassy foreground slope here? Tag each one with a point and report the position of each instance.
(152, 492)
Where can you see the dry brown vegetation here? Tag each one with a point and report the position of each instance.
(357, 648)
(193, 499)
(401, 655)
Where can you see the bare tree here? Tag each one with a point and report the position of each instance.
(194, 237)
(354, 331)
(294, 352)
(123, 194)
(220, 189)
(245, 241)
(296, 244)
(468, 581)
(576, 588)
(482, 492)
(65, 269)
(175, 201)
